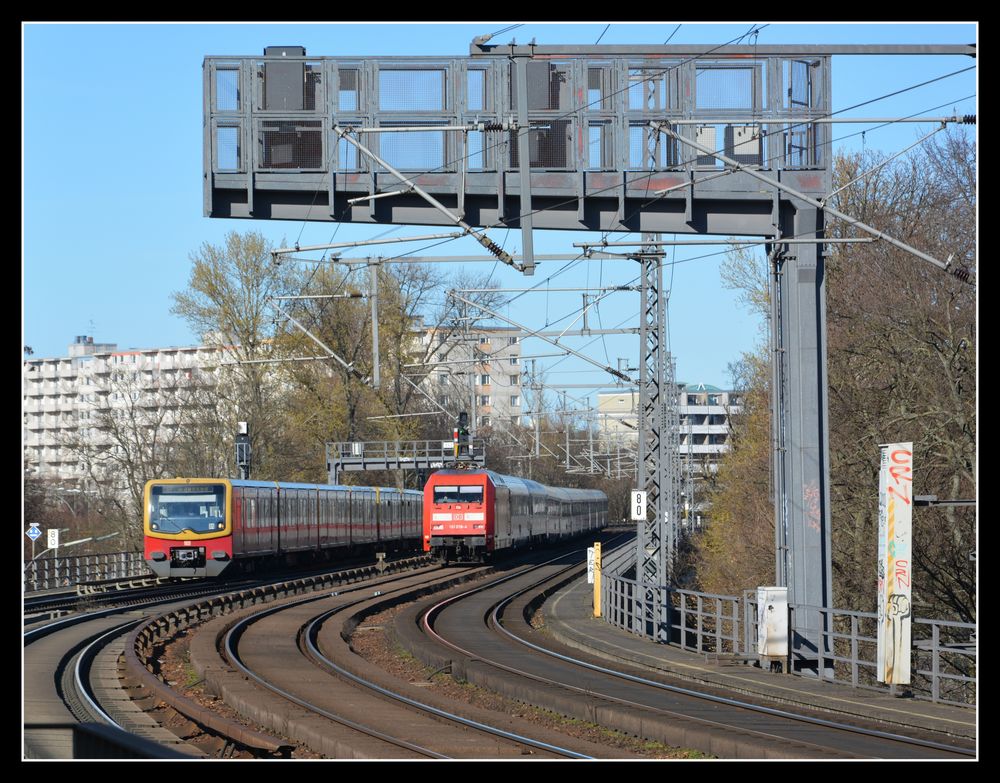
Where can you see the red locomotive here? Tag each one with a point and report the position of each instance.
(471, 514)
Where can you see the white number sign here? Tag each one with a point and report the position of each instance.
(638, 506)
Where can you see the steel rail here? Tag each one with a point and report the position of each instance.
(425, 624)
(311, 634)
(498, 625)
(81, 681)
(230, 644)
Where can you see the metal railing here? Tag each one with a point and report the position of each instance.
(48, 573)
(942, 657)
(706, 622)
(943, 654)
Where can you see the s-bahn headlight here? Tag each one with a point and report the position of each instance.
(153, 526)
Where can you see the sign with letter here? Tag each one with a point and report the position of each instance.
(895, 563)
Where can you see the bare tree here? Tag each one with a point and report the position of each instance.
(228, 302)
(902, 367)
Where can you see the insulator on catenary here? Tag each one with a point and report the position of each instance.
(969, 119)
(495, 249)
(492, 126)
(962, 274)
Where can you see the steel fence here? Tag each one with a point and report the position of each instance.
(943, 654)
(49, 573)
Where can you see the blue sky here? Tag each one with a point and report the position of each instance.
(112, 156)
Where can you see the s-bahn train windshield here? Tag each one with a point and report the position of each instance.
(196, 508)
(452, 494)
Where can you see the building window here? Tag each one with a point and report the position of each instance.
(484, 340)
(692, 399)
(442, 377)
(713, 399)
(484, 399)
(484, 380)
(515, 360)
(515, 400)
(515, 421)
(484, 421)
(515, 380)
(512, 340)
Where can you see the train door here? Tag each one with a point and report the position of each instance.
(501, 517)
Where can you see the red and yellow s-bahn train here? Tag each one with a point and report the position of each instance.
(469, 515)
(201, 527)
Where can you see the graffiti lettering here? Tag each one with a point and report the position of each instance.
(902, 573)
(902, 456)
(904, 495)
(810, 498)
(900, 473)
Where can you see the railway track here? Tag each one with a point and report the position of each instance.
(72, 666)
(298, 651)
(486, 635)
(141, 590)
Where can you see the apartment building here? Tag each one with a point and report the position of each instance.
(704, 421)
(478, 371)
(64, 398)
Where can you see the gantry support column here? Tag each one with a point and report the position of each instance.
(804, 518)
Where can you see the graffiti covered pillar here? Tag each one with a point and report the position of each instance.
(895, 563)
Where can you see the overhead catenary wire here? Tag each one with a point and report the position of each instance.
(674, 261)
(753, 31)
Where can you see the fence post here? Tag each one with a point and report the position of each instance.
(699, 607)
(935, 639)
(854, 650)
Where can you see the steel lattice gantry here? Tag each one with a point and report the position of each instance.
(596, 138)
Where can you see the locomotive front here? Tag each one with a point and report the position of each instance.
(188, 527)
(458, 515)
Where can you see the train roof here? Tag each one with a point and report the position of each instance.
(286, 484)
(501, 480)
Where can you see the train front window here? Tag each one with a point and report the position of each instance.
(193, 508)
(452, 494)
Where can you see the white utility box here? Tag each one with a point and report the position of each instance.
(772, 626)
